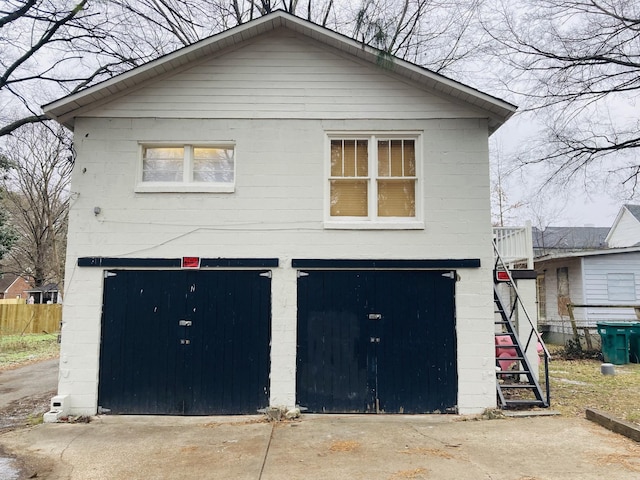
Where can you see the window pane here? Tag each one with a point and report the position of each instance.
(213, 165)
(362, 158)
(349, 198)
(621, 287)
(383, 158)
(396, 158)
(163, 164)
(349, 158)
(396, 198)
(409, 158)
(336, 158)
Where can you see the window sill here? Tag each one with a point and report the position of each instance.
(183, 188)
(368, 225)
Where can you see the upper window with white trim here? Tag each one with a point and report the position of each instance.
(373, 182)
(187, 168)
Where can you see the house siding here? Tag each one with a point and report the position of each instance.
(283, 76)
(275, 101)
(596, 269)
(626, 232)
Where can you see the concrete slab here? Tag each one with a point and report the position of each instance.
(324, 447)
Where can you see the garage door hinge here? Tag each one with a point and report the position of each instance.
(109, 274)
(450, 275)
(302, 274)
(266, 274)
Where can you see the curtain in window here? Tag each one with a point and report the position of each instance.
(396, 178)
(349, 182)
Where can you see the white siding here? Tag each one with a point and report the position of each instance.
(596, 269)
(627, 231)
(280, 76)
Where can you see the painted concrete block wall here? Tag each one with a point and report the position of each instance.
(276, 211)
(275, 99)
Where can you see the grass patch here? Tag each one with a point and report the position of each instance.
(578, 384)
(20, 349)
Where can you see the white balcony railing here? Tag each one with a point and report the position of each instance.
(515, 245)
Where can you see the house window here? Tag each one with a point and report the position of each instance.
(621, 287)
(184, 168)
(373, 181)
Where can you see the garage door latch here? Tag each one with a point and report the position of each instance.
(184, 323)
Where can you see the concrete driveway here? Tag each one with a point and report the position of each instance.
(324, 447)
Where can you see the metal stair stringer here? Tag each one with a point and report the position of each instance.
(519, 393)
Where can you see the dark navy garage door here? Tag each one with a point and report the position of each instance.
(376, 341)
(185, 342)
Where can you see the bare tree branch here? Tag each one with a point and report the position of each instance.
(575, 63)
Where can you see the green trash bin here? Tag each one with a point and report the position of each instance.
(634, 343)
(615, 337)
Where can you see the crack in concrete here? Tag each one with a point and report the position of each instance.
(64, 450)
(266, 453)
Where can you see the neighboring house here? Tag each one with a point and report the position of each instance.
(46, 294)
(590, 275)
(625, 231)
(555, 240)
(13, 287)
(279, 215)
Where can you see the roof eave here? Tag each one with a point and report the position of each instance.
(587, 253)
(65, 109)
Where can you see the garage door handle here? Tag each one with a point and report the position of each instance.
(184, 323)
(185, 341)
(374, 340)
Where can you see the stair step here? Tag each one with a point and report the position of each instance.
(512, 372)
(531, 402)
(517, 385)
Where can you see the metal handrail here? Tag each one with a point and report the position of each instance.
(500, 262)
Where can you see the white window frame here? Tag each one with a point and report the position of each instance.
(372, 221)
(187, 185)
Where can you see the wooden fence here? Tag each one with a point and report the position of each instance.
(18, 319)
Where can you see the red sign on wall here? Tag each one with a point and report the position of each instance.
(190, 262)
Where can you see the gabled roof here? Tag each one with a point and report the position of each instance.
(569, 238)
(6, 280)
(65, 109)
(634, 210)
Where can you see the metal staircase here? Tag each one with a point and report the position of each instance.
(516, 382)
